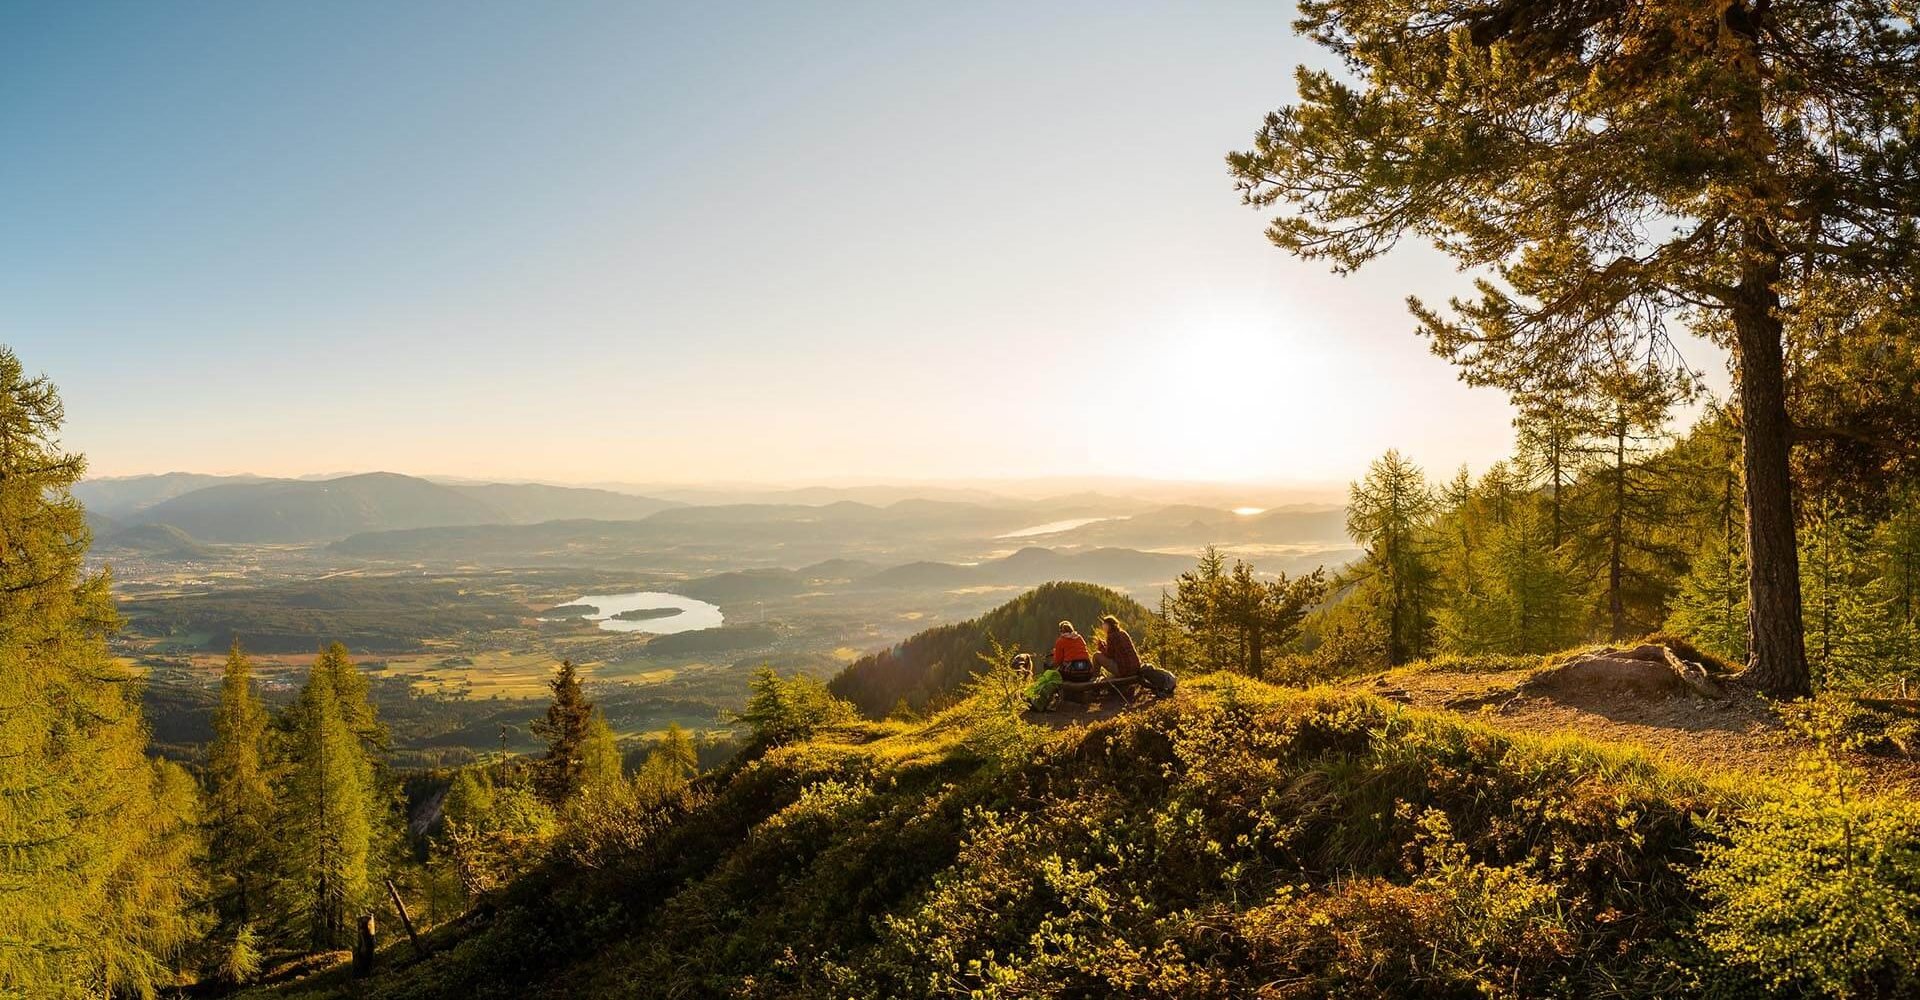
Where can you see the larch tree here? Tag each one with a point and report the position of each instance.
(1852, 616)
(97, 841)
(1389, 513)
(1608, 167)
(1626, 503)
(600, 763)
(1896, 544)
(1549, 430)
(1710, 605)
(239, 815)
(328, 823)
(669, 764)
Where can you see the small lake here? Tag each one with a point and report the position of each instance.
(693, 614)
(1056, 527)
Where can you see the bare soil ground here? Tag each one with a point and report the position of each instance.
(1739, 734)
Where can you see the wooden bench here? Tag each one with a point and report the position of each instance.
(1124, 686)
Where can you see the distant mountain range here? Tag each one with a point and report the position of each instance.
(252, 509)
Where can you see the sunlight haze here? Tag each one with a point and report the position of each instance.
(594, 242)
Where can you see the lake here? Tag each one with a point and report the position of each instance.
(1056, 527)
(693, 614)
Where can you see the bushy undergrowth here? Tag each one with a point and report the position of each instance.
(1242, 840)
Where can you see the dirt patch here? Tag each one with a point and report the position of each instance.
(1738, 733)
(1099, 704)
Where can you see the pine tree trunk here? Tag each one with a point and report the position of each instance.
(1616, 558)
(1777, 655)
(1554, 459)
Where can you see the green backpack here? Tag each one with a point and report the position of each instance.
(1043, 690)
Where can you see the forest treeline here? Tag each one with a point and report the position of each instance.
(1588, 535)
(126, 875)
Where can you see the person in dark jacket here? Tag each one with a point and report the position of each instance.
(1117, 655)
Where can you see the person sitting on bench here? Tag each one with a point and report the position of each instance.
(1070, 655)
(1117, 655)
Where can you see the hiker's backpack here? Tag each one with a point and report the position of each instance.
(1159, 681)
(1044, 690)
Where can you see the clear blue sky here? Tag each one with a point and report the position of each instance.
(791, 242)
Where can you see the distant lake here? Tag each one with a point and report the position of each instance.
(693, 614)
(1056, 527)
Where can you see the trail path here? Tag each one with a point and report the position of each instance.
(1740, 734)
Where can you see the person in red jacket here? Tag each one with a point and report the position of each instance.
(1117, 655)
(1070, 655)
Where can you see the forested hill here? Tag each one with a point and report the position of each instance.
(938, 661)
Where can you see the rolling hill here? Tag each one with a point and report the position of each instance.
(939, 661)
(119, 497)
(247, 509)
(154, 541)
(528, 503)
(1032, 565)
(284, 510)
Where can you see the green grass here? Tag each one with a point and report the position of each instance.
(1242, 840)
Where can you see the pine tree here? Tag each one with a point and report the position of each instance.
(327, 824)
(1896, 549)
(784, 709)
(1233, 619)
(1197, 613)
(1529, 601)
(1772, 139)
(565, 730)
(239, 813)
(98, 840)
(1389, 513)
(1853, 624)
(1710, 607)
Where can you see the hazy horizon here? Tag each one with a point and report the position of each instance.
(615, 243)
(1030, 488)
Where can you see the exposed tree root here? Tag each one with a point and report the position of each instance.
(1650, 671)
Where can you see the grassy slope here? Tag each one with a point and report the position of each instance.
(1239, 840)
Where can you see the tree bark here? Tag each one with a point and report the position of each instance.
(1776, 653)
(1616, 555)
(406, 919)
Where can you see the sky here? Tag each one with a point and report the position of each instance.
(743, 242)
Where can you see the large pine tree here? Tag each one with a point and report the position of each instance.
(1609, 166)
(95, 839)
(565, 728)
(240, 813)
(329, 813)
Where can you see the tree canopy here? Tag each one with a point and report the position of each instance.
(1611, 168)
